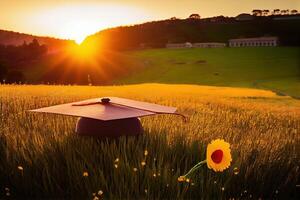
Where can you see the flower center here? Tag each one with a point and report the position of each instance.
(217, 156)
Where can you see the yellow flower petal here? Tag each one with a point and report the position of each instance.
(218, 155)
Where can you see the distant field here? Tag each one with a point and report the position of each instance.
(275, 68)
(41, 157)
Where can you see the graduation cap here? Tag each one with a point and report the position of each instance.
(108, 116)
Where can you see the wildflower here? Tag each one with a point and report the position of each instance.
(218, 155)
(117, 160)
(235, 171)
(95, 198)
(20, 168)
(145, 153)
(146, 191)
(218, 158)
(135, 169)
(116, 166)
(143, 163)
(187, 180)
(222, 188)
(85, 174)
(100, 192)
(154, 175)
(181, 178)
(7, 194)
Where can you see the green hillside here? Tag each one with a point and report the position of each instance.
(219, 29)
(275, 68)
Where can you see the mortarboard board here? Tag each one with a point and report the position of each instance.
(100, 116)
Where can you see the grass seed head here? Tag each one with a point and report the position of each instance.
(145, 152)
(100, 192)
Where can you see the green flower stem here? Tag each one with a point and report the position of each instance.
(197, 166)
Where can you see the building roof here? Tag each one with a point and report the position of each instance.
(253, 39)
(209, 43)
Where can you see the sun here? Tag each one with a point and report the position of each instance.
(78, 30)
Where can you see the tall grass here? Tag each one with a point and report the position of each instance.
(41, 157)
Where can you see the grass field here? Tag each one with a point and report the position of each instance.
(275, 68)
(41, 157)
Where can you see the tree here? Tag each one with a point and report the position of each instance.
(35, 43)
(265, 12)
(294, 12)
(3, 71)
(15, 77)
(36, 49)
(285, 12)
(257, 12)
(194, 16)
(276, 11)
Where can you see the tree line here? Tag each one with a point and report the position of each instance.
(266, 12)
(12, 57)
(157, 34)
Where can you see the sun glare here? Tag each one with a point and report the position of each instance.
(78, 30)
(82, 52)
(78, 21)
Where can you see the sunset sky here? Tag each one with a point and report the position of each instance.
(75, 19)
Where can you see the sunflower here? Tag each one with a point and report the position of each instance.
(218, 156)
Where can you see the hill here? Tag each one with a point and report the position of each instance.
(218, 29)
(17, 39)
(275, 68)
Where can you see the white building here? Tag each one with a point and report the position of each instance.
(209, 45)
(195, 45)
(179, 45)
(254, 42)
